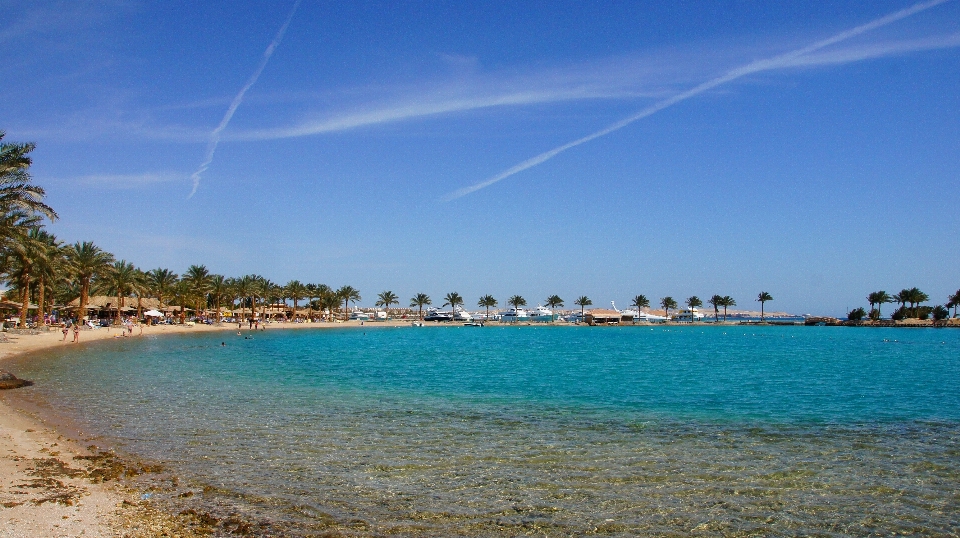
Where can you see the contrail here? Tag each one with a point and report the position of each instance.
(215, 135)
(777, 62)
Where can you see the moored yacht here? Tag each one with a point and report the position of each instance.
(639, 316)
(541, 313)
(435, 314)
(357, 315)
(514, 314)
(688, 315)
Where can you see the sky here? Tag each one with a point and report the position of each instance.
(607, 149)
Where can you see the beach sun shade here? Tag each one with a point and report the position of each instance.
(153, 314)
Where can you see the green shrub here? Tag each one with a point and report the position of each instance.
(857, 314)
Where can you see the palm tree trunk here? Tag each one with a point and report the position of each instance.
(24, 299)
(41, 300)
(84, 290)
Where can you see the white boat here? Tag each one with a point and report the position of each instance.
(541, 313)
(359, 316)
(435, 314)
(514, 315)
(688, 315)
(573, 317)
(417, 324)
(461, 315)
(640, 316)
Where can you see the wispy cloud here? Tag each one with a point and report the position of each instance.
(472, 89)
(215, 135)
(794, 58)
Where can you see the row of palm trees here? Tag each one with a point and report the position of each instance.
(912, 297)
(455, 301)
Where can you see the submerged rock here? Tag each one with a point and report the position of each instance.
(10, 381)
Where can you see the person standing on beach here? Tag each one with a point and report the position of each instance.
(65, 330)
(76, 333)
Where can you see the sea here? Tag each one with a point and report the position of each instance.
(723, 430)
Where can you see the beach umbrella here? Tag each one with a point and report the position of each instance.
(153, 314)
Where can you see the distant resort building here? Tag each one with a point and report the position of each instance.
(603, 316)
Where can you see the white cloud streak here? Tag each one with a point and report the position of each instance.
(215, 135)
(798, 57)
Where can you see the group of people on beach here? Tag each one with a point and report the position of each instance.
(125, 331)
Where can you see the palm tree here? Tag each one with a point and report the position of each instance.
(258, 289)
(453, 299)
(347, 294)
(198, 278)
(270, 292)
(161, 282)
(27, 255)
(727, 301)
(516, 301)
(121, 281)
(387, 298)
(917, 297)
(86, 262)
(878, 298)
(329, 301)
(323, 292)
(488, 302)
(693, 302)
(49, 268)
(583, 301)
(181, 296)
(554, 301)
(139, 288)
(667, 303)
(954, 301)
(243, 288)
(716, 302)
(17, 194)
(220, 289)
(310, 291)
(295, 291)
(763, 297)
(640, 301)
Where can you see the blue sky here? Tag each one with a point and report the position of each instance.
(811, 150)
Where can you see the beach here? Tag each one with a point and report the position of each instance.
(51, 484)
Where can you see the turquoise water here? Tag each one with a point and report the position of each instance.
(540, 430)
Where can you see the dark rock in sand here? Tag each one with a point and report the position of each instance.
(10, 381)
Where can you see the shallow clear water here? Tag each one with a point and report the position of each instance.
(542, 430)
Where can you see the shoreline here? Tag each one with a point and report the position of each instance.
(56, 484)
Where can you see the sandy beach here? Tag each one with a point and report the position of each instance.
(51, 484)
